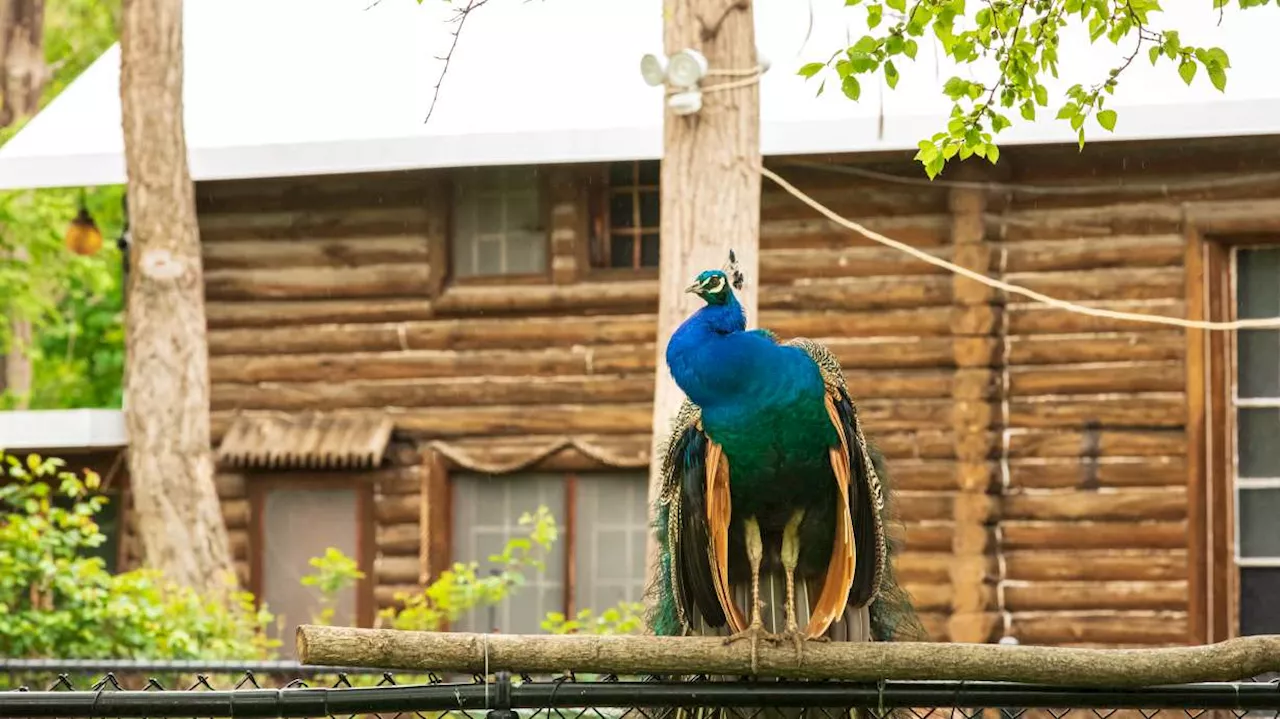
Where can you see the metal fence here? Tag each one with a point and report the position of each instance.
(285, 689)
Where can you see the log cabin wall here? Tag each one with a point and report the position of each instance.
(1040, 455)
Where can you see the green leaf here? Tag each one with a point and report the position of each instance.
(993, 153)
(1068, 110)
(1028, 111)
(910, 48)
(1187, 71)
(890, 74)
(850, 87)
(1041, 94)
(1154, 53)
(874, 14)
(1217, 76)
(899, 5)
(1107, 118)
(811, 69)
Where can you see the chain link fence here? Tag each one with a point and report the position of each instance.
(187, 690)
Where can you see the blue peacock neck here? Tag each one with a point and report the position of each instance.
(706, 356)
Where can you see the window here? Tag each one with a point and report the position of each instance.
(1257, 424)
(296, 521)
(628, 217)
(498, 225)
(603, 523)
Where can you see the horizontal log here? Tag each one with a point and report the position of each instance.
(1084, 473)
(1169, 503)
(1163, 250)
(1107, 443)
(861, 293)
(893, 352)
(304, 192)
(1142, 283)
(928, 537)
(923, 567)
(229, 485)
(1096, 565)
(313, 223)
(1110, 347)
(1027, 318)
(626, 655)
(1099, 378)
(911, 322)
(507, 451)
(1069, 596)
(437, 392)
(238, 541)
(399, 480)
(911, 506)
(929, 597)
(396, 569)
(398, 509)
(274, 313)
(431, 363)
(820, 233)
(789, 265)
(298, 283)
(342, 253)
(924, 475)
(847, 195)
(1153, 410)
(472, 334)
(400, 539)
(384, 595)
(921, 444)
(1106, 628)
(1042, 535)
(235, 513)
(1125, 218)
(532, 300)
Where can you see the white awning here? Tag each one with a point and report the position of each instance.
(300, 87)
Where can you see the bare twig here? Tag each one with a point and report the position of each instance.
(460, 17)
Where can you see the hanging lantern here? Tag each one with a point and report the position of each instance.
(83, 236)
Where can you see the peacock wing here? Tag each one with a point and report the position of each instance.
(693, 523)
(857, 568)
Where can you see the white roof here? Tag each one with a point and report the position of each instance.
(296, 87)
(53, 429)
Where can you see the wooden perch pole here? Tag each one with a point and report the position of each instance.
(1231, 660)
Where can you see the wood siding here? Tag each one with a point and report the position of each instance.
(1041, 456)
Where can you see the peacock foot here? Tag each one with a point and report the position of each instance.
(754, 633)
(798, 638)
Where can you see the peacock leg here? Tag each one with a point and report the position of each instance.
(755, 631)
(791, 558)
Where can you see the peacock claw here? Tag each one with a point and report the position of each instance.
(754, 633)
(797, 639)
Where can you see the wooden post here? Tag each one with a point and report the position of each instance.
(977, 350)
(629, 655)
(166, 389)
(710, 185)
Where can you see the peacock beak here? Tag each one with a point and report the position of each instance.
(694, 287)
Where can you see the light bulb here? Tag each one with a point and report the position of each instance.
(653, 69)
(685, 103)
(686, 68)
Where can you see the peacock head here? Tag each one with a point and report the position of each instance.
(712, 286)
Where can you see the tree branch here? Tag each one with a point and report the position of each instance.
(1231, 660)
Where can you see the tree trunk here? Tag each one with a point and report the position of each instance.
(23, 75)
(710, 186)
(166, 402)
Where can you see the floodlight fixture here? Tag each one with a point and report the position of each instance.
(653, 68)
(686, 68)
(685, 103)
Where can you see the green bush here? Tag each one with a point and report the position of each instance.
(55, 601)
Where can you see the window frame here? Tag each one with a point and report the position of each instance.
(438, 516)
(600, 232)
(448, 188)
(1213, 573)
(260, 484)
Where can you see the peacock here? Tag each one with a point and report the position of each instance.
(772, 498)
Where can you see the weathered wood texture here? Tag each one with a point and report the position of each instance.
(1044, 449)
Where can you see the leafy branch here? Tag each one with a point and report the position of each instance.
(1020, 38)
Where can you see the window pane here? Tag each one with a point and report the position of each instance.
(613, 517)
(1259, 610)
(496, 212)
(620, 251)
(1257, 443)
(1258, 283)
(622, 174)
(486, 512)
(526, 253)
(621, 211)
(1259, 357)
(649, 248)
(1259, 531)
(650, 171)
(649, 209)
(299, 524)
